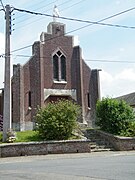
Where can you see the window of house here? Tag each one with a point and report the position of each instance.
(29, 98)
(59, 67)
(63, 68)
(88, 100)
(55, 68)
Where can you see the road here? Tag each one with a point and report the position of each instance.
(88, 166)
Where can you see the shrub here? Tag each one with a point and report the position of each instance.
(130, 131)
(114, 116)
(57, 120)
(0, 137)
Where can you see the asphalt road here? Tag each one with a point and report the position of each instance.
(92, 166)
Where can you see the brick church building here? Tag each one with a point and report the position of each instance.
(55, 70)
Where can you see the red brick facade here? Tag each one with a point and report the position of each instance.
(34, 85)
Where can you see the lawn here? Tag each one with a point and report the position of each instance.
(25, 136)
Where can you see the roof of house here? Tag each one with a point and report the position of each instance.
(129, 98)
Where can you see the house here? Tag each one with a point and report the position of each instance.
(129, 98)
(55, 70)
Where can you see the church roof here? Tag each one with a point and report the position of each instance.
(129, 98)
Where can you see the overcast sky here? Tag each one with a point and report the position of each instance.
(99, 43)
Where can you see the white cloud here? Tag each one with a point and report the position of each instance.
(76, 41)
(106, 77)
(122, 49)
(117, 2)
(127, 75)
(119, 84)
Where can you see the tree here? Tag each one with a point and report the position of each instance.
(57, 120)
(114, 116)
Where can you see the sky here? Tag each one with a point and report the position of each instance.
(109, 48)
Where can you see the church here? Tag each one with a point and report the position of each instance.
(55, 70)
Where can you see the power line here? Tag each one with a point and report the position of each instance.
(2, 10)
(46, 11)
(72, 5)
(109, 17)
(61, 4)
(77, 20)
(93, 60)
(2, 6)
(109, 61)
(36, 9)
(21, 48)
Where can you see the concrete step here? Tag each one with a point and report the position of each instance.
(95, 146)
(97, 143)
(100, 149)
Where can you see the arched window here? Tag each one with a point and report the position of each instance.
(59, 66)
(55, 68)
(63, 68)
(29, 99)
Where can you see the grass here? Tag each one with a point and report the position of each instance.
(30, 136)
(27, 136)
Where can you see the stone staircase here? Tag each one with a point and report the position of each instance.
(97, 143)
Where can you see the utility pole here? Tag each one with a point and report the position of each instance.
(7, 78)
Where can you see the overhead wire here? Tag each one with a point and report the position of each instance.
(2, 5)
(77, 20)
(72, 5)
(75, 29)
(35, 10)
(19, 49)
(92, 60)
(109, 17)
(32, 6)
(110, 61)
(46, 11)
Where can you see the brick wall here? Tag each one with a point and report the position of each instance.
(43, 148)
(94, 88)
(52, 45)
(37, 75)
(17, 97)
(119, 143)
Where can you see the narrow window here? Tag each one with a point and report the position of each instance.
(88, 99)
(29, 102)
(63, 68)
(55, 67)
(59, 67)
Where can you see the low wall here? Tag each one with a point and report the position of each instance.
(119, 143)
(43, 148)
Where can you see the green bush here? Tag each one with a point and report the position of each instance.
(114, 116)
(0, 137)
(130, 131)
(57, 120)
